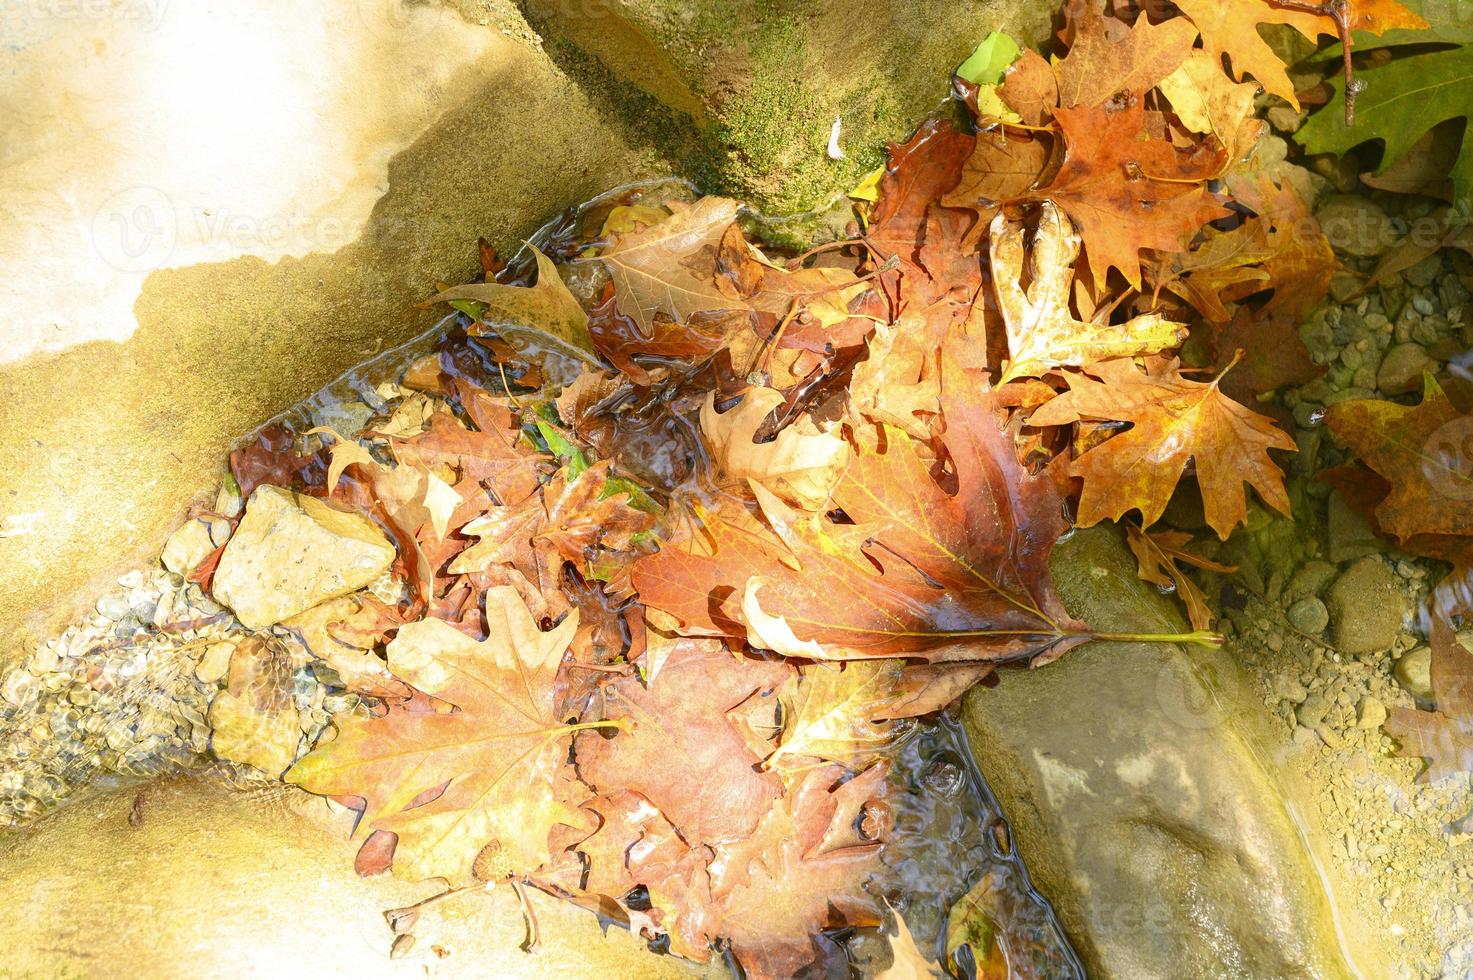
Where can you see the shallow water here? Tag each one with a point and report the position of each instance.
(948, 832)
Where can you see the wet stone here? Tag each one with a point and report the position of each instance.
(1366, 607)
(1309, 615)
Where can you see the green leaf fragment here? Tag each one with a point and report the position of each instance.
(1401, 101)
(987, 62)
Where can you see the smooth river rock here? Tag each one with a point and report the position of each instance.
(291, 552)
(213, 883)
(1140, 810)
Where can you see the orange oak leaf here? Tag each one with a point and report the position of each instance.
(1173, 420)
(491, 741)
(949, 569)
(1444, 737)
(1126, 193)
(1425, 452)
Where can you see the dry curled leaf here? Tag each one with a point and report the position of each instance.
(1042, 331)
(1157, 554)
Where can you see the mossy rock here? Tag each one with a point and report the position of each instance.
(764, 81)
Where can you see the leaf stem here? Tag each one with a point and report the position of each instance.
(1203, 637)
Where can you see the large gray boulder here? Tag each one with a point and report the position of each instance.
(1139, 808)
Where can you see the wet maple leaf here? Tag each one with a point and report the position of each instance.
(920, 567)
(1098, 65)
(1268, 351)
(1208, 101)
(830, 709)
(1172, 420)
(1232, 29)
(1444, 737)
(1425, 452)
(669, 269)
(683, 753)
(801, 871)
(1042, 331)
(1126, 193)
(1157, 553)
(500, 754)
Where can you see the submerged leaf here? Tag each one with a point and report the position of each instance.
(530, 315)
(500, 756)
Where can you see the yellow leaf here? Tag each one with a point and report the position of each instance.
(800, 464)
(1042, 332)
(530, 317)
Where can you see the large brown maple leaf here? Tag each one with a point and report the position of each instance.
(1173, 420)
(914, 564)
(493, 744)
(1127, 193)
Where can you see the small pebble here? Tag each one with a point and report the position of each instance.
(216, 661)
(1309, 615)
(1370, 713)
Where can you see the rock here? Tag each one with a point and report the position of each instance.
(1366, 607)
(291, 552)
(1309, 615)
(114, 606)
(1312, 711)
(1401, 371)
(1349, 535)
(1414, 673)
(1288, 688)
(216, 661)
(1356, 225)
(1370, 713)
(1138, 806)
(187, 547)
(261, 884)
(1311, 578)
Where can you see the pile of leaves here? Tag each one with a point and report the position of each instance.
(686, 525)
